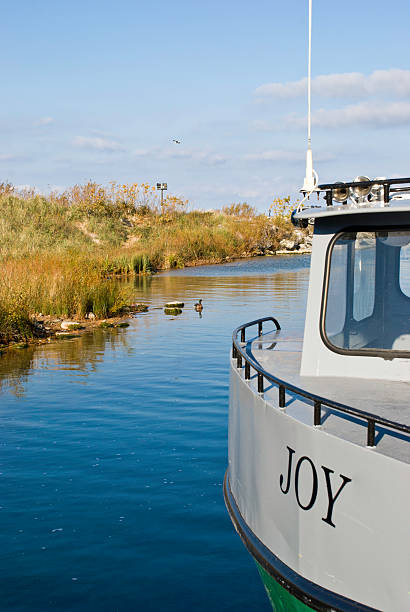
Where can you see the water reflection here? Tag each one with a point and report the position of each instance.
(225, 292)
(15, 367)
(81, 354)
(114, 448)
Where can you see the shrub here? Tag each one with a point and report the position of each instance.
(239, 210)
(60, 253)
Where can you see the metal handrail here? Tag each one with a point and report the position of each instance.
(369, 183)
(385, 183)
(318, 401)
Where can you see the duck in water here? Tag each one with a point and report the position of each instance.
(198, 306)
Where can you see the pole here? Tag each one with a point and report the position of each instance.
(309, 74)
(309, 183)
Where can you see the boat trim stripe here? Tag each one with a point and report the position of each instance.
(311, 594)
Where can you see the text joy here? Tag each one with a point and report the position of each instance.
(332, 493)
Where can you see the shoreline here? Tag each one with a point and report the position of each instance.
(58, 252)
(52, 331)
(218, 262)
(49, 327)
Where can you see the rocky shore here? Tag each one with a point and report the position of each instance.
(44, 328)
(299, 244)
(49, 328)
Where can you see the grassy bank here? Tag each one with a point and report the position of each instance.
(57, 252)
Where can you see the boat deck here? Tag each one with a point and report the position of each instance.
(280, 355)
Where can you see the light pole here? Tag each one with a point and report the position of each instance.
(162, 187)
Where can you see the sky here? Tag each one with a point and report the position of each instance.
(98, 90)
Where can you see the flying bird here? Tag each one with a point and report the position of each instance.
(176, 141)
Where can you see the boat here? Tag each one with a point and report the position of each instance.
(318, 477)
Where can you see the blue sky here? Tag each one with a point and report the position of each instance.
(98, 90)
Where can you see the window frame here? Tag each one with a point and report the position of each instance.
(387, 354)
(401, 290)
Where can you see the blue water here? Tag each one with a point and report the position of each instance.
(114, 447)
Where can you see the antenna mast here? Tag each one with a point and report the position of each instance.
(310, 181)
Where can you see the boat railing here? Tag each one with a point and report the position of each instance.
(243, 359)
(385, 184)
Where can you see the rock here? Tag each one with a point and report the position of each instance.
(105, 324)
(174, 305)
(304, 249)
(287, 245)
(90, 315)
(40, 329)
(66, 335)
(172, 311)
(69, 325)
(122, 324)
(298, 236)
(139, 307)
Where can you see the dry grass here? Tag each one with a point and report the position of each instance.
(58, 253)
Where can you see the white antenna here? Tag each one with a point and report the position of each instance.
(310, 181)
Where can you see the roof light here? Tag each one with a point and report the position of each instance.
(359, 194)
(377, 190)
(340, 194)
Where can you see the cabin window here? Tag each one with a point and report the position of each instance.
(367, 302)
(405, 269)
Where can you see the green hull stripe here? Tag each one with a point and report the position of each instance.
(280, 598)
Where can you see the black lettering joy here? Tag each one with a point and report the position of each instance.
(332, 495)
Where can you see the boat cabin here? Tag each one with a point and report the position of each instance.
(319, 453)
(358, 312)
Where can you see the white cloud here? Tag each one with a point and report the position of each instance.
(5, 157)
(208, 158)
(292, 89)
(258, 125)
(275, 155)
(44, 121)
(55, 189)
(143, 152)
(97, 144)
(280, 155)
(365, 113)
(205, 157)
(254, 188)
(213, 159)
(25, 188)
(393, 82)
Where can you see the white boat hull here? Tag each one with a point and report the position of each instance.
(336, 513)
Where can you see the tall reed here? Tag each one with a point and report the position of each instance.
(60, 254)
